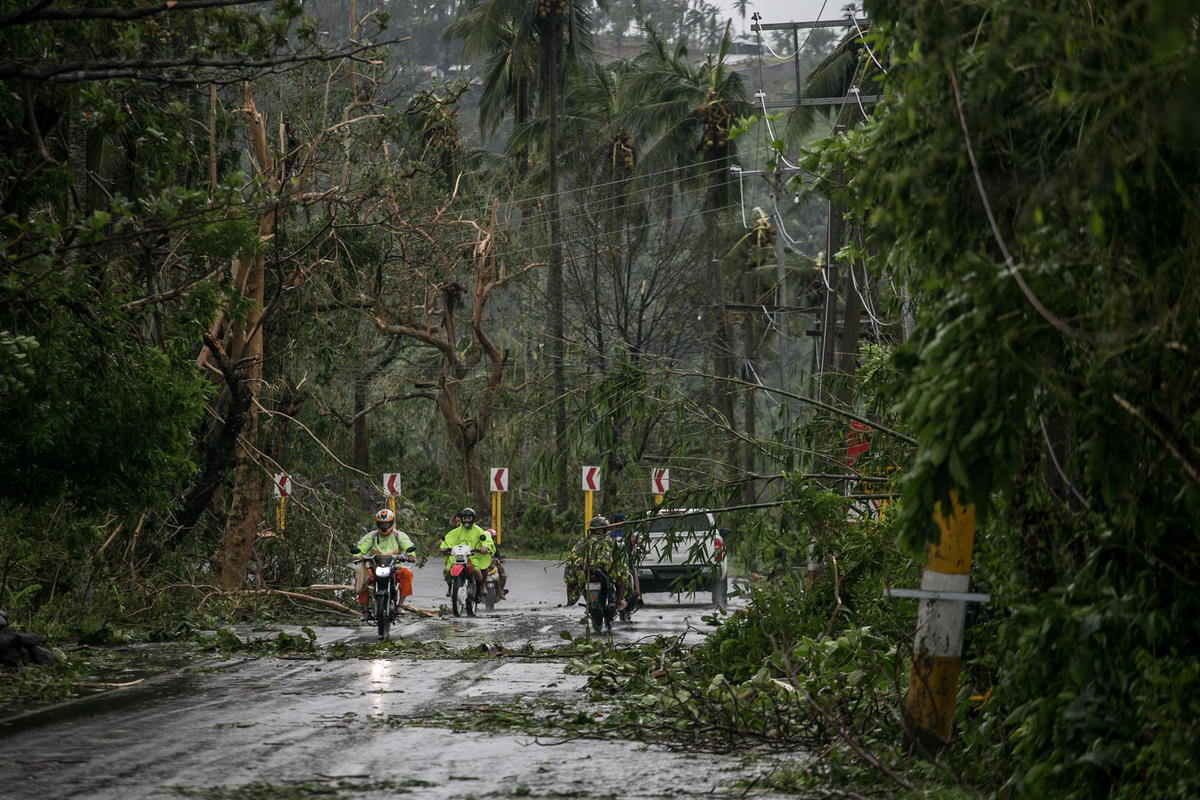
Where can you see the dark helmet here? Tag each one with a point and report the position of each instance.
(598, 524)
(385, 519)
(467, 512)
(618, 517)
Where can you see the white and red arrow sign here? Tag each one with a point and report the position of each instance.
(591, 479)
(499, 479)
(391, 484)
(283, 484)
(660, 480)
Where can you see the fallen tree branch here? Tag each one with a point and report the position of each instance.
(425, 612)
(333, 587)
(307, 598)
(1189, 469)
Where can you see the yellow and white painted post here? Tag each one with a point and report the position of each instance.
(937, 649)
(660, 482)
(283, 488)
(591, 483)
(391, 488)
(499, 485)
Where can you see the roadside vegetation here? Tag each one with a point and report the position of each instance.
(242, 240)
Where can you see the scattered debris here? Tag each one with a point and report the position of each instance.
(21, 648)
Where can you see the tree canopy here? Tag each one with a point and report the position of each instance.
(242, 239)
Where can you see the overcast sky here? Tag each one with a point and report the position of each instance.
(773, 11)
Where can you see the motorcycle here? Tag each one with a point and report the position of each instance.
(601, 600)
(491, 578)
(462, 586)
(491, 586)
(632, 601)
(383, 607)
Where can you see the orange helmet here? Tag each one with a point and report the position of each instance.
(385, 519)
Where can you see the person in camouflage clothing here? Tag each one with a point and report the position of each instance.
(595, 551)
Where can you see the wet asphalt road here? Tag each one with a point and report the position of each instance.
(290, 722)
(535, 612)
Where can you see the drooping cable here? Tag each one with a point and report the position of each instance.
(865, 304)
(1057, 467)
(762, 99)
(858, 97)
(741, 194)
(863, 37)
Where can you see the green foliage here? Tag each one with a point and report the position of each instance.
(783, 688)
(539, 530)
(86, 369)
(284, 644)
(1028, 179)
(1124, 709)
(967, 391)
(15, 367)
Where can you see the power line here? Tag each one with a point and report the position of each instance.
(539, 199)
(571, 219)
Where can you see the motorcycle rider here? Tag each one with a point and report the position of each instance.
(388, 540)
(594, 551)
(498, 560)
(468, 533)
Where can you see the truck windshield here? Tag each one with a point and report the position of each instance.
(689, 523)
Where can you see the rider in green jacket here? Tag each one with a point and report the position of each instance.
(476, 538)
(595, 551)
(388, 540)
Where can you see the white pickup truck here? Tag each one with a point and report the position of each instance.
(681, 551)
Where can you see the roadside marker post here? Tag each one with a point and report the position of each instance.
(591, 483)
(937, 648)
(391, 488)
(498, 481)
(283, 488)
(660, 482)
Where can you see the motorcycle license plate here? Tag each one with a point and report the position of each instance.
(593, 587)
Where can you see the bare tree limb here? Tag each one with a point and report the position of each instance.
(155, 70)
(40, 11)
(1188, 468)
(170, 294)
(219, 454)
(306, 598)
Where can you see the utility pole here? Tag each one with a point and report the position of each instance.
(829, 310)
(795, 28)
(781, 300)
(852, 287)
(723, 354)
(836, 354)
(749, 348)
(834, 360)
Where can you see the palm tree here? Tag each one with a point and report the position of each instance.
(535, 42)
(740, 6)
(509, 74)
(594, 123)
(692, 107)
(849, 66)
